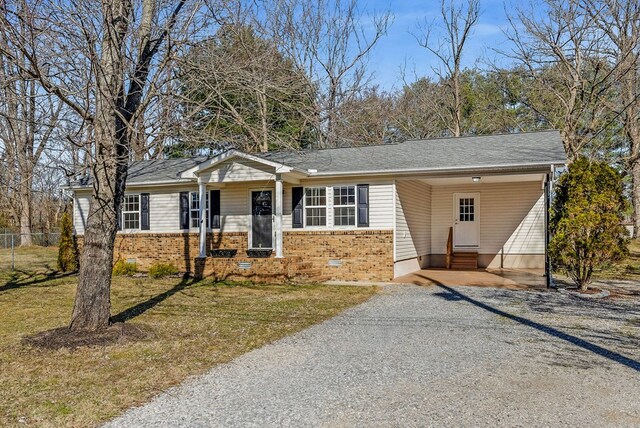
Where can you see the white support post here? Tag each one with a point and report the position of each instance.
(278, 217)
(203, 222)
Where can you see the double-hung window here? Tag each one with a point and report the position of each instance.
(131, 212)
(194, 209)
(315, 203)
(344, 206)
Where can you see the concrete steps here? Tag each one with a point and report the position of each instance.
(464, 261)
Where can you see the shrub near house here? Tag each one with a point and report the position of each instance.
(586, 220)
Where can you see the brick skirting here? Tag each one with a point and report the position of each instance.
(248, 269)
(350, 255)
(179, 249)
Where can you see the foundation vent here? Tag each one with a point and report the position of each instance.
(244, 265)
(335, 263)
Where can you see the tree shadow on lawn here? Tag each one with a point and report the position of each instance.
(118, 330)
(452, 295)
(142, 307)
(20, 279)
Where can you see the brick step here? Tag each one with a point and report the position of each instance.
(309, 272)
(304, 265)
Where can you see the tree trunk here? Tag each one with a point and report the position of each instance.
(635, 172)
(457, 105)
(92, 306)
(25, 213)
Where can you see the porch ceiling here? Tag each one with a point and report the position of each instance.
(484, 179)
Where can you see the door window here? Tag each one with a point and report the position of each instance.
(466, 210)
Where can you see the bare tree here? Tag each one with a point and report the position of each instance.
(331, 41)
(238, 88)
(103, 60)
(619, 20)
(569, 81)
(28, 118)
(456, 27)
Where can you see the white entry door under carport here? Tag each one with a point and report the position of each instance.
(466, 221)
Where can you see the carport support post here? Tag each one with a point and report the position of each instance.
(278, 216)
(547, 206)
(203, 221)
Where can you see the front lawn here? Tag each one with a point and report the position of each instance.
(192, 326)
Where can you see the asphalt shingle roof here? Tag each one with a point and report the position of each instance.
(508, 150)
(158, 170)
(441, 153)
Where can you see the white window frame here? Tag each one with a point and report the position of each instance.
(197, 210)
(124, 211)
(354, 206)
(330, 222)
(325, 206)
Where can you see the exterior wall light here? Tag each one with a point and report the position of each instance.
(475, 179)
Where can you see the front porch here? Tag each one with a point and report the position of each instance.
(511, 279)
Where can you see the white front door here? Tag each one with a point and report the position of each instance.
(466, 222)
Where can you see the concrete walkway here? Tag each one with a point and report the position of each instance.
(429, 356)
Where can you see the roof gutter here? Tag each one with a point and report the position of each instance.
(448, 171)
(141, 184)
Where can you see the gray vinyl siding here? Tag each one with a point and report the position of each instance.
(413, 219)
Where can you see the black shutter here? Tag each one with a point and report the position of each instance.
(363, 205)
(119, 217)
(214, 209)
(184, 210)
(297, 194)
(144, 211)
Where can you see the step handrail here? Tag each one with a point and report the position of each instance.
(449, 248)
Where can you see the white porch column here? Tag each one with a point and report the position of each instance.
(203, 222)
(278, 217)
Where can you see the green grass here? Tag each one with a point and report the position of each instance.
(629, 268)
(198, 326)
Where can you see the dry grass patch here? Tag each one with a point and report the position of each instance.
(190, 327)
(628, 268)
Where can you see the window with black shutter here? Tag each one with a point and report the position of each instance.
(184, 210)
(363, 205)
(297, 194)
(144, 211)
(214, 200)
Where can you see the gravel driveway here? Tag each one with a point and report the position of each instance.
(429, 356)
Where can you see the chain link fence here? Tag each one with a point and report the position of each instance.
(39, 255)
(10, 239)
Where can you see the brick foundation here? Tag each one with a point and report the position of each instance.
(357, 255)
(179, 249)
(247, 269)
(363, 255)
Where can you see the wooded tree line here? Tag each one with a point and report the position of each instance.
(88, 86)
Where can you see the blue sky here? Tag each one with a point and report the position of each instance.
(400, 47)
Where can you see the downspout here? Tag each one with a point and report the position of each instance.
(547, 234)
